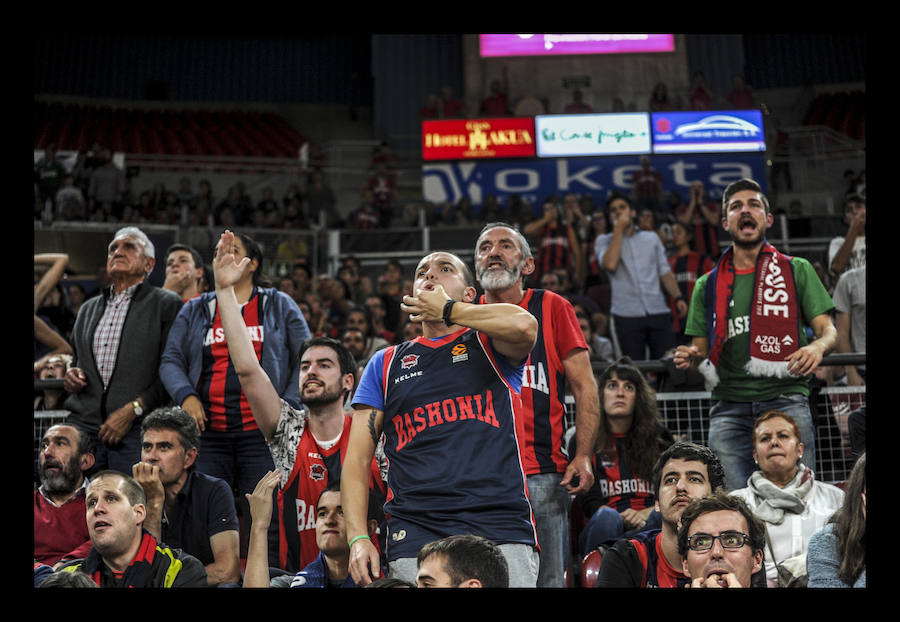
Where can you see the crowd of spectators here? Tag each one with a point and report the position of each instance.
(361, 308)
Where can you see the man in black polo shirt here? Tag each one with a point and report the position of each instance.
(185, 508)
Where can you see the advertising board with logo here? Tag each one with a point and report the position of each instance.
(561, 135)
(464, 139)
(548, 45)
(536, 179)
(707, 131)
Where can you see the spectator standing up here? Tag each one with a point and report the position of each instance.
(684, 472)
(124, 554)
(849, 251)
(577, 105)
(496, 104)
(452, 446)
(850, 317)
(740, 97)
(118, 339)
(687, 265)
(451, 106)
(755, 358)
(639, 272)
(187, 509)
(647, 191)
(703, 218)
(560, 357)
(631, 438)
(198, 372)
(60, 530)
(107, 185)
(699, 95)
(184, 271)
(659, 99)
(49, 174)
(308, 442)
(558, 245)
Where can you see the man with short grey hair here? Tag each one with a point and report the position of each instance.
(118, 339)
(503, 260)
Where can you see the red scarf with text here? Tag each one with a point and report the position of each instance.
(774, 311)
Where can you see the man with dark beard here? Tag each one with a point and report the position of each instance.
(747, 318)
(60, 529)
(308, 444)
(503, 259)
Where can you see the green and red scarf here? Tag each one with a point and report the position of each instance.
(774, 314)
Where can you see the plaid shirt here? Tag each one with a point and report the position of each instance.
(109, 331)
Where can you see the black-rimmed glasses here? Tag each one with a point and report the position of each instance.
(728, 540)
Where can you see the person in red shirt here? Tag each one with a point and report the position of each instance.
(496, 104)
(60, 528)
(687, 265)
(451, 107)
(740, 97)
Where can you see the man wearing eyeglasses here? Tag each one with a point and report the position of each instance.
(720, 541)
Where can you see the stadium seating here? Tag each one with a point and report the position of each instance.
(169, 131)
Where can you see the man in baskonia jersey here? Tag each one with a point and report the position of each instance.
(684, 472)
(503, 259)
(308, 444)
(444, 403)
(748, 318)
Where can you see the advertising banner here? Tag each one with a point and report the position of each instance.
(536, 179)
(592, 134)
(707, 131)
(466, 139)
(546, 45)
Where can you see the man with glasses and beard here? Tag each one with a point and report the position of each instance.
(60, 529)
(747, 319)
(503, 259)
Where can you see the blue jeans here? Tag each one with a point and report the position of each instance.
(241, 459)
(550, 505)
(606, 526)
(731, 433)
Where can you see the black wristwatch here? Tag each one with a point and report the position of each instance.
(448, 306)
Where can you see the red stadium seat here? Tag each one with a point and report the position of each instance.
(590, 568)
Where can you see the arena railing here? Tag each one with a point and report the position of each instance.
(685, 413)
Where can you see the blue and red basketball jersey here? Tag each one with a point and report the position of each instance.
(454, 465)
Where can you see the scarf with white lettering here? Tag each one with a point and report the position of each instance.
(774, 314)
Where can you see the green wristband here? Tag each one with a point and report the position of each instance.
(362, 537)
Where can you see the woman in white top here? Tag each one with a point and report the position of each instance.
(783, 493)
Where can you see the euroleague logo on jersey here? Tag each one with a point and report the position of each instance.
(409, 361)
(459, 353)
